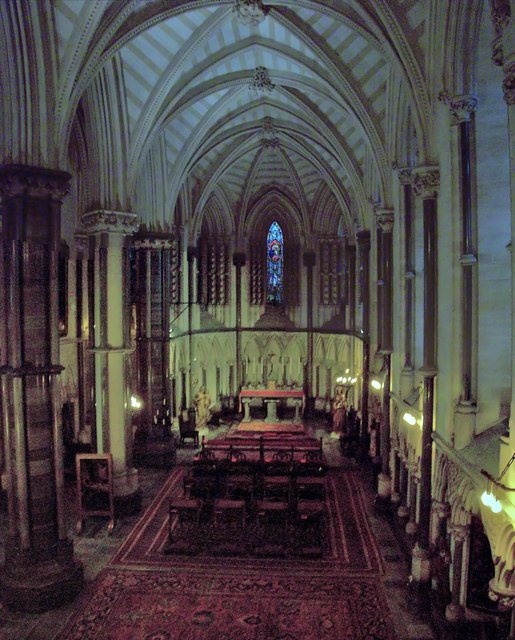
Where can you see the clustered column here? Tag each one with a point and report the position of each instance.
(426, 181)
(110, 231)
(40, 571)
(385, 223)
(238, 260)
(152, 294)
(309, 263)
(363, 240)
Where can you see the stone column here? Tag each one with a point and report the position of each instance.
(454, 611)
(413, 488)
(192, 255)
(238, 261)
(509, 97)
(426, 181)
(110, 231)
(309, 263)
(363, 240)
(462, 110)
(351, 272)
(40, 571)
(384, 220)
(152, 256)
(403, 510)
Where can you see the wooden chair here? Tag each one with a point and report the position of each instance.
(277, 477)
(239, 475)
(228, 511)
(310, 477)
(187, 432)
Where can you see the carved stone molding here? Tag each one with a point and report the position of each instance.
(459, 532)
(103, 220)
(249, 12)
(404, 174)
(461, 107)
(153, 243)
(508, 85)
(36, 182)
(441, 509)
(426, 181)
(501, 595)
(500, 13)
(385, 219)
(261, 83)
(81, 243)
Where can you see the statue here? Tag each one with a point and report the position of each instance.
(272, 374)
(339, 411)
(202, 403)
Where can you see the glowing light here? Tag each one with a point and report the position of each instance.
(135, 403)
(489, 500)
(409, 418)
(376, 384)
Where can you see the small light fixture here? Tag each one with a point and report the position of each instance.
(409, 418)
(376, 384)
(489, 500)
(135, 402)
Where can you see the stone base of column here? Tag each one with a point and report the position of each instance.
(395, 499)
(419, 586)
(127, 498)
(35, 584)
(411, 528)
(464, 423)
(384, 486)
(420, 565)
(454, 613)
(403, 511)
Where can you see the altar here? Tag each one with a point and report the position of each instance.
(271, 397)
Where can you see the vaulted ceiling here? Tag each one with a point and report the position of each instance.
(172, 80)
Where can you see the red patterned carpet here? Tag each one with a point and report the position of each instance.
(145, 594)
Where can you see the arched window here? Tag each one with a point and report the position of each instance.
(275, 264)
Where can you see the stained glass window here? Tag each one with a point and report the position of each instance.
(275, 264)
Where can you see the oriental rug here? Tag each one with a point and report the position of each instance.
(228, 605)
(350, 546)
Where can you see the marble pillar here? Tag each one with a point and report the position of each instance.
(40, 571)
(110, 231)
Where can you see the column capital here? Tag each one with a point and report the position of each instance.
(500, 13)
(508, 85)
(499, 593)
(404, 174)
(460, 532)
(239, 259)
(309, 259)
(461, 106)
(363, 239)
(441, 509)
(192, 253)
(36, 182)
(153, 242)
(384, 220)
(426, 181)
(106, 221)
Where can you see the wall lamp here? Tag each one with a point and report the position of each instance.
(136, 402)
(488, 498)
(376, 384)
(409, 418)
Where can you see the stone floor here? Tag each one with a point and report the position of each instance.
(95, 547)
